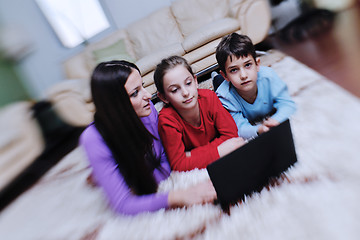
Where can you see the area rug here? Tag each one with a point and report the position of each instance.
(319, 201)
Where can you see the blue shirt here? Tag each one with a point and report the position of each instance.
(272, 93)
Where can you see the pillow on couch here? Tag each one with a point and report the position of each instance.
(192, 15)
(116, 51)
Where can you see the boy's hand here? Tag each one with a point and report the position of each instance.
(266, 125)
(262, 128)
(270, 122)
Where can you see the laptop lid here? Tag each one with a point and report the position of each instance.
(249, 168)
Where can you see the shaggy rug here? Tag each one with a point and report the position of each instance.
(321, 200)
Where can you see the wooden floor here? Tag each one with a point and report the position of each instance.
(335, 53)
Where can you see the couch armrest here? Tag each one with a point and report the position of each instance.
(72, 101)
(254, 17)
(21, 140)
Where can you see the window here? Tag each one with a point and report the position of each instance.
(74, 21)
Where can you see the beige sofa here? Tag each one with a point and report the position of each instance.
(21, 140)
(189, 28)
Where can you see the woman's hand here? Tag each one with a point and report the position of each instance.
(230, 145)
(200, 193)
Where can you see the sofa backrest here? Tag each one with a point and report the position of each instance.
(154, 32)
(115, 46)
(192, 15)
(181, 28)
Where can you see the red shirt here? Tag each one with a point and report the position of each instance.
(178, 136)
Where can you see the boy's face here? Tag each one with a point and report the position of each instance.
(242, 73)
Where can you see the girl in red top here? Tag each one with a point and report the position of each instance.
(194, 126)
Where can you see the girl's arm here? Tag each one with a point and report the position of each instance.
(172, 138)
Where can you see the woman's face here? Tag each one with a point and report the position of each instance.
(139, 97)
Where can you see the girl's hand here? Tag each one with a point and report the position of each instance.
(230, 145)
(200, 193)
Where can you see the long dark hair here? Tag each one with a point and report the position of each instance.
(124, 133)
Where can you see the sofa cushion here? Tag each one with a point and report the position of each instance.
(151, 88)
(199, 59)
(72, 101)
(204, 63)
(251, 14)
(154, 32)
(202, 52)
(192, 15)
(77, 66)
(116, 51)
(235, 7)
(209, 32)
(113, 38)
(149, 62)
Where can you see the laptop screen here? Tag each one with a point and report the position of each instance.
(249, 168)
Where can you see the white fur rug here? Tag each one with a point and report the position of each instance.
(321, 202)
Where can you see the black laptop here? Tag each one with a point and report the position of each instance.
(249, 168)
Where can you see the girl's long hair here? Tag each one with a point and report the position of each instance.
(124, 133)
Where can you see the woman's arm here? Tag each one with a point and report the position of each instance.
(108, 177)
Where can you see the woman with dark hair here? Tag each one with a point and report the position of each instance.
(124, 148)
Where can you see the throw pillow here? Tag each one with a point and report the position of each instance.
(116, 51)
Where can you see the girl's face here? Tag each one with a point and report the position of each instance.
(139, 97)
(180, 88)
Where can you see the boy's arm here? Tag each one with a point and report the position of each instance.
(283, 103)
(228, 101)
(245, 129)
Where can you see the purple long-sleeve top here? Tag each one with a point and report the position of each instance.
(106, 174)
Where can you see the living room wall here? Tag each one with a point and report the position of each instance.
(41, 67)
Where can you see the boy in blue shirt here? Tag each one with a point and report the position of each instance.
(254, 95)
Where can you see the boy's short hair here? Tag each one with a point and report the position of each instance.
(234, 45)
